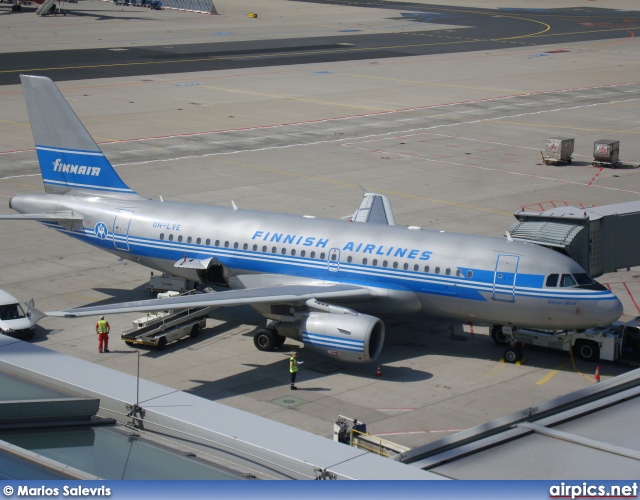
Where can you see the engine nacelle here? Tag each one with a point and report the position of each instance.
(356, 338)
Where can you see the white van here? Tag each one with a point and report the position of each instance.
(14, 321)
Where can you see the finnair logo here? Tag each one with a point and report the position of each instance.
(58, 166)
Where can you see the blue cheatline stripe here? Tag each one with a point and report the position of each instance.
(317, 269)
(332, 342)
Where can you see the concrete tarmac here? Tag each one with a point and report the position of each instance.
(453, 139)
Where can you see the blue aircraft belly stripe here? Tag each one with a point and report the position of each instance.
(348, 273)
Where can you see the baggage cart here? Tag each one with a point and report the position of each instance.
(558, 150)
(606, 153)
(160, 328)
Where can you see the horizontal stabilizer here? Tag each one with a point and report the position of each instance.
(231, 298)
(59, 216)
(374, 209)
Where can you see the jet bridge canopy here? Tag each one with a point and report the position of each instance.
(601, 239)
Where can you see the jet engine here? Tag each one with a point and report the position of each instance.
(355, 338)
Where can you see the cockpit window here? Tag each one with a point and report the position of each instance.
(552, 280)
(567, 280)
(583, 279)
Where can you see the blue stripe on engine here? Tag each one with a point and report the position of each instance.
(334, 342)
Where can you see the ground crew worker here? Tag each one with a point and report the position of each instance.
(102, 329)
(293, 369)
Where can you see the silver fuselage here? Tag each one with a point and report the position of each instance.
(465, 277)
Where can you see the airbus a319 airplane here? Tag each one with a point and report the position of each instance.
(318, 281)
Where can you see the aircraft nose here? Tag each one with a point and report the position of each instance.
(609, 311)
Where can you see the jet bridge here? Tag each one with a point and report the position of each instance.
(601, 239)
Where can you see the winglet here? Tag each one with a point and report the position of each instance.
(374, 209)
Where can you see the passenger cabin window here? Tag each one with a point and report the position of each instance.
(349, 259)
(208, 242)
(384, 263)
(255, 247)
(217, 243)
(322, 255)
(406, 266)
(171, 237)
(416, 267)
(458, 273)
(293, 252)
(448, 271)
(334, 257)
(198, 241)
(274, 249)
(567, 280)
(162, 236)
(303, 253)
(245, 246)
(426, 269)
(437, 270)
(312, 255)
(235, 245)
(375, 262)
(226, 244)
(264, 248)
(552, 280)
(469, 274)
(189, 239)
(364, 261)
(180, 238)
(284, 251)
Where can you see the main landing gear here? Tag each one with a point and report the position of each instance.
(267, 339)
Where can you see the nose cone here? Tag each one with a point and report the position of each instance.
(609, 311)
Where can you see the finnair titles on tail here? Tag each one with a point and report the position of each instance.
(319, 281)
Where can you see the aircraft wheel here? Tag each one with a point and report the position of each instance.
(195, 331)
(587, 350)
(265, 340)
(16, 8)
(162, 343)
(512, 354)
(498, 335)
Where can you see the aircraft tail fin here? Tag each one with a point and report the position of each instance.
(70, 160)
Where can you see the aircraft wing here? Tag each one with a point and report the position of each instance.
(58, 216)
(266, 295)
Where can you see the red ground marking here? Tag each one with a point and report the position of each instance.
(632, 299)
